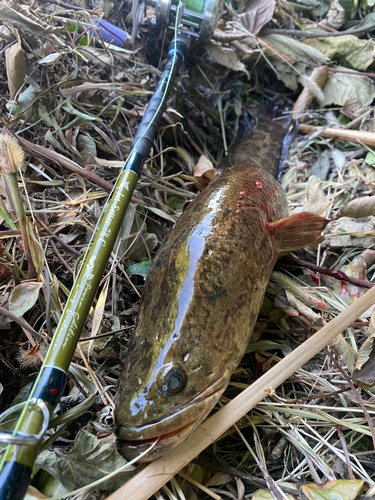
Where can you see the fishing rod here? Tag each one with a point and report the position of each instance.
(195, 18)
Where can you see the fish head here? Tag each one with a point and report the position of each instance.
(167, 401)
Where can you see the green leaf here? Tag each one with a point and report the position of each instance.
(368, 21)
(350, 9)
(267, 307)
(67, 106)
(338, 490)
(370, 158)
(142, 268)
(175, 203)
(343, 119)
(9, 221)
(83, 41)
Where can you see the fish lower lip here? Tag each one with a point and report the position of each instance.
(139, 442)
(131, 446)
(161, 437)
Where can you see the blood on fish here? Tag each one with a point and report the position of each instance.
(275, 192)
(258, 184)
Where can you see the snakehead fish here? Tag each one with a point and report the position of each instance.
(203, 293)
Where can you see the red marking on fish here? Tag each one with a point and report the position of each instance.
(258, 184)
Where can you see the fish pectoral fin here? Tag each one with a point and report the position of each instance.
(297, 231)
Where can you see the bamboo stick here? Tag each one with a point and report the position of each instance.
(339, 133)
(157, 473)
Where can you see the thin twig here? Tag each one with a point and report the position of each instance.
(13, 369)
(309, 34)
(22, 323)
(338, 275)
(345, 450)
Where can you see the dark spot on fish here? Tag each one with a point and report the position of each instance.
(218, 294)
(225, 213)
(254, 284)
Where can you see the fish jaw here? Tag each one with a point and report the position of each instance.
(170, 431)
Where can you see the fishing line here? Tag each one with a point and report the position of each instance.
(95, 232)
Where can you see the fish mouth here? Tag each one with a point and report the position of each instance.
(133, 441)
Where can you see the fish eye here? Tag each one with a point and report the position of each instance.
(173, 380)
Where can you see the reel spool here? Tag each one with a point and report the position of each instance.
(197, 18)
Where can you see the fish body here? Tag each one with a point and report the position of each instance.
(202, 298)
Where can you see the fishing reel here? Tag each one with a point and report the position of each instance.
(197, 18)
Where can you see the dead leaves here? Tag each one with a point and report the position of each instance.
(345, 232)
(359, 207)
(23, 298)
(339, 490)
(257, 14)
(226, 57)
(316, 201)
(89, 460)
(348, 50)
(15, 68)
(22, 17)
(204, 172)
(313, 85)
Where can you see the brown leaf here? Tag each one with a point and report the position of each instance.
(21, 17)
(257, 14)
(15, 67)
(23, 298)
(312, 87)
(98, 313)
(204, 172)
(346, 352)
(316, 201)
(359, 207)
(365, 366)
(36, 249)
(369, 257)
(5, 271)
(226, 57)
